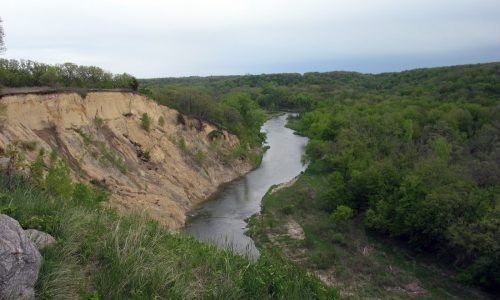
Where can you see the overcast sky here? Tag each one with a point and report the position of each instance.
(153, 38)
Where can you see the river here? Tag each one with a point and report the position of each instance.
(221, 220)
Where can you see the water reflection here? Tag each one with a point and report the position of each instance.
(221, 220)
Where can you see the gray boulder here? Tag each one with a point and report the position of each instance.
(40, 238)
(19, 261)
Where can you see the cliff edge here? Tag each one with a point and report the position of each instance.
(163, 171)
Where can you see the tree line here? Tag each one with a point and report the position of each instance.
(27, 73)
(234, 111)
(301, 92)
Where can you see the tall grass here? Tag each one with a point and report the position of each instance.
(102, 255)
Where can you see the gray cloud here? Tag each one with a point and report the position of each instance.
(153, 38)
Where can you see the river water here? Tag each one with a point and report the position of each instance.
(221, 220)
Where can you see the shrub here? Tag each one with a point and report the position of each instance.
(255, 158)
(30, 146)
(82, 92)
(161, 121)
(200, 156)
(101, 184)
(342, 214)
(180, 119)
(146, 155)
(88, 196)
(53, 155)
(58, 180)
(239, 151)
(82, 193)
(87, 138)
(323, 258)
(288, 210)
(214, 134)
(145, 122)
(99, 122)
(122, 166)
(182, 144)
(37, 170)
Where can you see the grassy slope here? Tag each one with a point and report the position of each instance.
(336, 250)
(101, 255)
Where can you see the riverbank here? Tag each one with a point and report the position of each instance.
(341, 253)
(221, 220)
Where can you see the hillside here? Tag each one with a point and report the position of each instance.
(164, 169)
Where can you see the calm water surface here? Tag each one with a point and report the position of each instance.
(222, 219)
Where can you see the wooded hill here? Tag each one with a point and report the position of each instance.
(415, 154)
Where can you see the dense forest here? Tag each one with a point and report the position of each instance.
(415, 155)
(422, 170)
(27, 73)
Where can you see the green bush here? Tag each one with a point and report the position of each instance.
(87, 196)
(37, 168)
(58, 181)
(146, 155)
(182, 144)
(99, 122)
(145, 122)
(45, 223)
(161, 121)
(288, 210)
(239, 151)
(323, 258)
(200, 156)
(342, 214)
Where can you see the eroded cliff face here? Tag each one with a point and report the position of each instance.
(102, 139)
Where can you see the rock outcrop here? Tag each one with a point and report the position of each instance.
(19, 261)
(164, 171)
